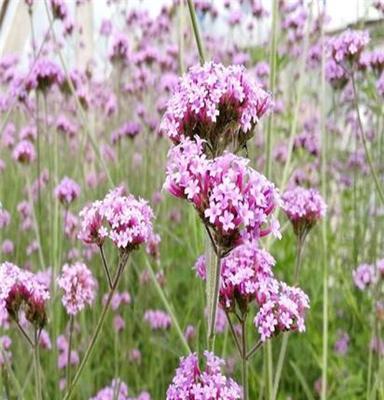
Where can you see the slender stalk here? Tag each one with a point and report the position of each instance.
(122, 263)
(324, 243)
(70, 334)
(196, 31)
(364, 140)
(214, 300)
(272, 83)
(169, 308)
(234, 335)
(24, 334)
(244, 361)
(254, 349)
(284, 341)
(105, 265)
(36, 367)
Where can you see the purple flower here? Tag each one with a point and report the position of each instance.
(157, 319)
(193, 383)
(364, 276)
(217, 103)
(24, 152)
(78, 285)
(342, 343)
(67, 191)
(45, 73)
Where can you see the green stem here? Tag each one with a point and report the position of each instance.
(70, 334)
(105, 265)
(364, 140)
(272, 83)
(196, 31)
(233, 332)
(36, 367)
(122, 263)
(168, 307)
(244, 361)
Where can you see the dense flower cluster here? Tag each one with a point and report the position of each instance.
(44, 74)
(217, 103)
(348, 46)
(192, 383)
(67, 191)
(283, 311)
(245, 276)
(303, 207)
(122, 218)
(24, 152)
(79, 287)
(5, 352)
(364, 276)
(157, 319)
(230, 196)
(20, 289)
(335, 74)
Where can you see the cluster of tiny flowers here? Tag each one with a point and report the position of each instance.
(348, 46)
(22, 289)
(230, 196)
(157, 319)
(79, 287)
(211, 99)
(245, 275)
(303, 207)
(118, 390)
(283, 311)
(191, 383)
(364, 276)
(129, 129)
(24, 152)
(335, 74)
(45, 73)
(67, 191)
(122, 218)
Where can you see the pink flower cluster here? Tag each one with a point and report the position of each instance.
(5, 217)
(67, 191)
(24, 152)
(192, 383)
(5, 353)
(63, 348)
(365, 276)
(125, 220)
(230, 196)
(283, 311)
(303, 207)
(118, 390)
(20, 289)
(245, 275)
(348, 46)
(211, 100)
(157, 319)
(79, 287)
(44, 74)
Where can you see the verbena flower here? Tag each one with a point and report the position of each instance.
(157, 319)
(283, 311)
(79, 287)
(45, 73)
(193, 383)
(24, 152)
(234, 199)
(245, 275)
(304, 208)
(20, 289)
(118, 390)
(220, 104)
(67, 191)
(125, 220)
(364, 276)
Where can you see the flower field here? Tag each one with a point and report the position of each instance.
(193, 210)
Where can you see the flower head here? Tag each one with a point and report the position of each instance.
(45, 73)
(235, 200)
(79, 287)
(364, 276)
(220, 104)
(20, 289)
(67, 191)
(24, 152)
(157, 319)
(193, 383)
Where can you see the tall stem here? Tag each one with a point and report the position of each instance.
(122, 262)
(244, 361)
(364, 140)
(105, 265)
(36, 367)
(213, 301)
(196, 31)
(70, 334)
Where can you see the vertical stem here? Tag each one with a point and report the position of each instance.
(105, 265)
(272, 83)
(214, 300)
(38, 157)
(324, 222)
(122, 262)
(196, 31)
(244, 369)
(36, 367)
(364, 140)
(70, 334)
